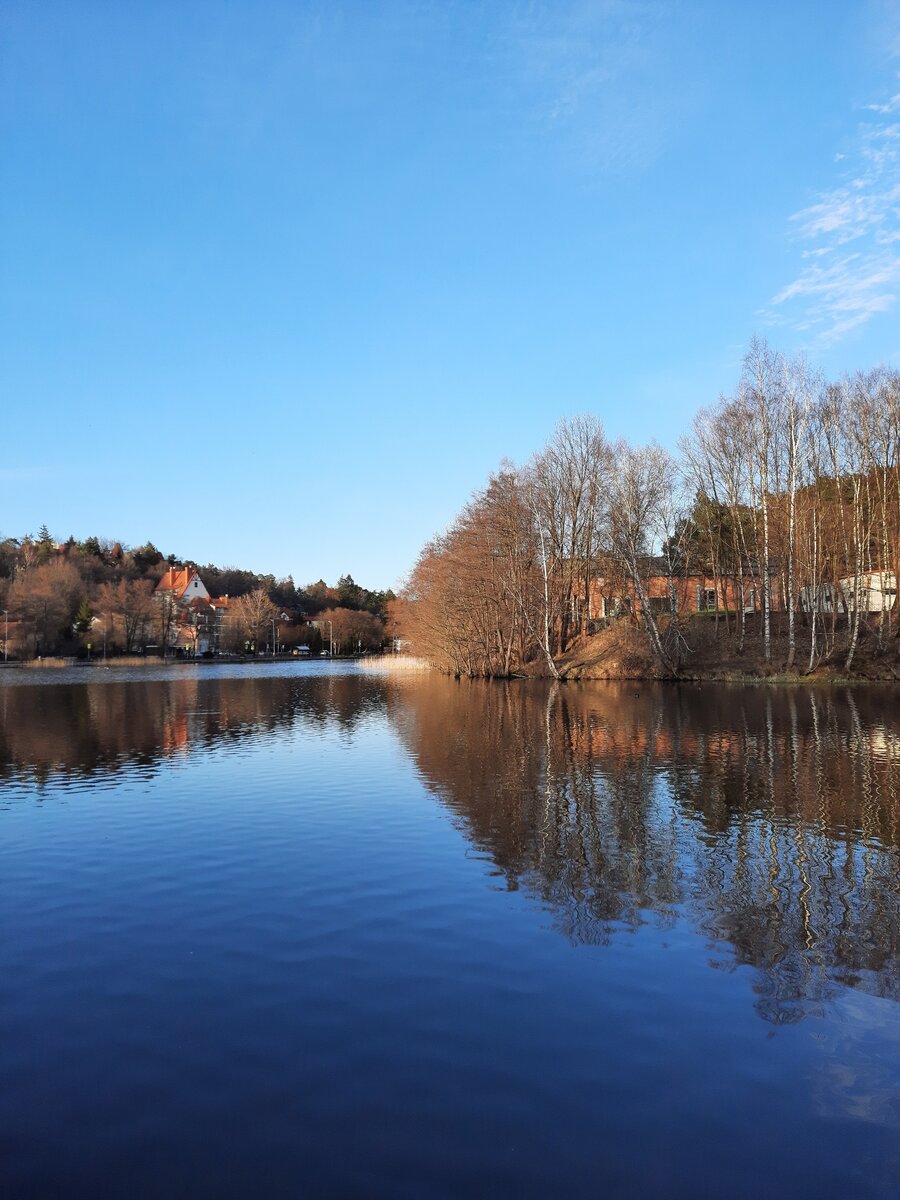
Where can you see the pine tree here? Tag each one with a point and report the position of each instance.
(84, 616)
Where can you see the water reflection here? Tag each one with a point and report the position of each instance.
(767, 819)
(50, 731)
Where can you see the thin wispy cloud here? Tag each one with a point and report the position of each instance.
(593, 75)
(892, 106)
(850, 236)
(889, 27)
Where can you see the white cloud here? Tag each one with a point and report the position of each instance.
(851, 257)
(891, 106)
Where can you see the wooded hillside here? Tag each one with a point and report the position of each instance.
(56, 597)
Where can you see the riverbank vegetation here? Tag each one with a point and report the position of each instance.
(768, 543)
(60, 598)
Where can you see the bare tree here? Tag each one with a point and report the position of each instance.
(46, 598)
(795, 394)
(568, 481)
(353, 629)
(760, 390)
(255, 613)
(129, 603)
(640, 491)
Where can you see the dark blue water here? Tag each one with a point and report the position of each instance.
(301, 931)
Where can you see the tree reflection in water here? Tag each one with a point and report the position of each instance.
(766, 818)
(49, 731)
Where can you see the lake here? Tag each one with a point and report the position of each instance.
(310, 930)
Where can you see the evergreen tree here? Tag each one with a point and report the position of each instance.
(44, 545)
(84, 616)
(349, 592)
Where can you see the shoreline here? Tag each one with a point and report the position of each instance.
(127, 662)
(569, 672)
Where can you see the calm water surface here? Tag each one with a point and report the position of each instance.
(307, 931)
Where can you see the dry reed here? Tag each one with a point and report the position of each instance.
(394, 662)
(47, 664)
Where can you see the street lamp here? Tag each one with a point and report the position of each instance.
(6, 635)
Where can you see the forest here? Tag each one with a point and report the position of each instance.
(770, 541)
(62, 598)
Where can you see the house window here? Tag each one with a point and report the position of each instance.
(706, 600)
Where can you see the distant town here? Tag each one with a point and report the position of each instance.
(97, 599)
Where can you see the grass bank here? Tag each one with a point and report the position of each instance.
(622, 652)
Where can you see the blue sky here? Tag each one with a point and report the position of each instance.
(280, 284)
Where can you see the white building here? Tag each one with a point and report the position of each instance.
(877, 591)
